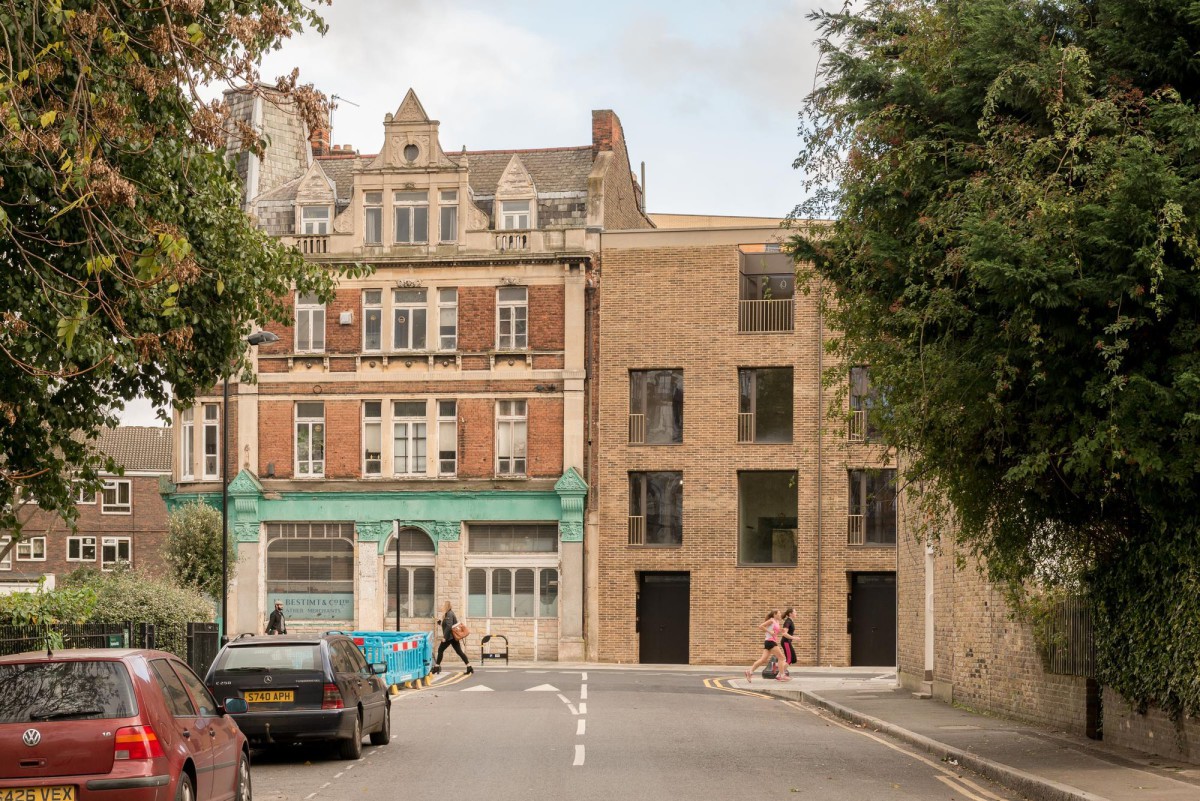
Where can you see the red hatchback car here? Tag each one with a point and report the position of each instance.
(116, 725)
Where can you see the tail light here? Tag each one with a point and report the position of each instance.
(331, 697)
(137, 742)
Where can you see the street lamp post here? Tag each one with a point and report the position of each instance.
(257, 338)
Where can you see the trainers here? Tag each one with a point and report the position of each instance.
(783, 677)
(749, 674)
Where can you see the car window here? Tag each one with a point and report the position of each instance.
(205, 703)
(339, 658)
(356, 658)
(297, 656)
(40, 691)
(178, 702)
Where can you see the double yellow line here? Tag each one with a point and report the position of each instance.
(721, 684)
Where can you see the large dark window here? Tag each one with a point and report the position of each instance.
(656, 508)
(765, 404)
(656, 406)
(767, 514)
(872, 507)
(310, 567)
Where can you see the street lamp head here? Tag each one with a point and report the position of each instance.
(262, 338)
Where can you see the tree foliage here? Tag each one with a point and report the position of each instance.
(1015, 194)
(128, 263)
(193, 549)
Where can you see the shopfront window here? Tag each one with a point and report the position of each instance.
(310, 568)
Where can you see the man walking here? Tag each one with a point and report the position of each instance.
(276, 624)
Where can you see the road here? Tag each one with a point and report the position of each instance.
(614, 734)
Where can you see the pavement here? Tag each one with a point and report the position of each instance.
(1041, 764)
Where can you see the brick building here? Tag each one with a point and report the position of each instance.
(422, 437)
(723, 486)
(124, 523)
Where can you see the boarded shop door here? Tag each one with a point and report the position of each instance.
(872, 622)
(662, 610)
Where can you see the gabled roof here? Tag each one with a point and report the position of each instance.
(140, 448)
(556, 169)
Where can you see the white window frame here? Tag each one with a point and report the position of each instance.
(313, 224)
(448, 203)
(490, 563)
(372, 300)
(375, 420)
(309, 306)
(514, 422)
(84, 542)
(116, 542)
(117, 508)
(82, 495)
(512, 217)
(373, 203)
(26, 552)
(315, 467)
(447, 305)
(409, 327)
(447, 428)
(7, 562)
(187, 445)
(212, 426)
(408, 203)
(415, 465)
(513, 310)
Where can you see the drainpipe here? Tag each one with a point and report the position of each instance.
(820, 457)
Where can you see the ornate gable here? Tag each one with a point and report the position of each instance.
(410, 140)
(515, 182)
(316, 188)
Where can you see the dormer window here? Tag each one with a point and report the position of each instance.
(514, 215)
(412, 217)
(373, 218)
(448, 208)
(315, 220)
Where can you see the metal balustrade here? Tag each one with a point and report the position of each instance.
(637, 530)
(858, 425)
(637, 429)
(856, 530)
(745, 427)
(759, 316)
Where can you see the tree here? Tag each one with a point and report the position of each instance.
(1015, 193)
(193, 549)
(128, 264)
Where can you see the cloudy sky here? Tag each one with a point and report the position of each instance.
(707, 91)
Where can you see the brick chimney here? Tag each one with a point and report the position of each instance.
(318, 140)
(606, 131)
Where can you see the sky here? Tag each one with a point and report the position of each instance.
(708, 91)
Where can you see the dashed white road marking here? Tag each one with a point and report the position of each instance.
(583, 693)
(585, 675)
(582, 709)
(580, 727)
(338, 775)
(578, 755)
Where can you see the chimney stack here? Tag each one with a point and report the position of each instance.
(318, 140)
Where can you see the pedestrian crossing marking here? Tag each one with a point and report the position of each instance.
(477, 688)
(543, 688)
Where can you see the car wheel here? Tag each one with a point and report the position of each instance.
(185, 791)
(384, 735)
(352, 748)
(244, 790)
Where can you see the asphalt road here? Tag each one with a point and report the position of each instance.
(612, 734)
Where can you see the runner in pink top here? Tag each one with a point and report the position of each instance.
(771, 628)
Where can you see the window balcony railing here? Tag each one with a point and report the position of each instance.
(637, 429)
(637, 530)
(856, 530)
(858, 425)
(745, 427)
(512, 240)
(313, 245)
(765, 315)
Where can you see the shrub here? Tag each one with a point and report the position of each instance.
(129, 595)
(194, 548)
(46, 608)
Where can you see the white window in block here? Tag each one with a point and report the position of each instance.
(447, 319)
(115, 499)
(410, 317)
(512, 318)
(411, 210)
(31, 549)
(212, 459)
(514, 215)
(448, 208)
(6, 562)
(372, 319)
(372, 218)
(372, 438)
(408, 438)
(310, 324)
(84, 496)
(310, 439)
(315, 220)
(511, 430)
(187, 463)
(114, 551)
(447, 437)
(81, 549)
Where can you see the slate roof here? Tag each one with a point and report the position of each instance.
(143, 448)
(559, 169)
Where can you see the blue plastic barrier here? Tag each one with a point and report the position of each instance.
(408, 655)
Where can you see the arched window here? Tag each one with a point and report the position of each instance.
(410, 579)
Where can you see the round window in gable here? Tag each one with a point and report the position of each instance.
(410, 152)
